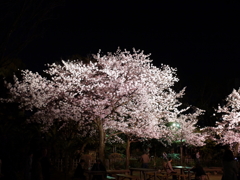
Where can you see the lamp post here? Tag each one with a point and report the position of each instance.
(175, 126)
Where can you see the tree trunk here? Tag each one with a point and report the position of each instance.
(128, 152)
(181, 153)
(101, 148)
(65, 165)
(235, 149)
(83, 149)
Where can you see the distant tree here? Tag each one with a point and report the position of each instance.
(228, 128)
(183, 130)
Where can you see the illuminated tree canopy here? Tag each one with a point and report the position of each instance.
(184, 130)
(120, 92)
(228, 128)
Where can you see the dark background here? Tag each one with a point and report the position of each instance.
(201, 40)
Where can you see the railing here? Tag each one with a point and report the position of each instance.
(109, 164)
(120, 164)
(59, 164)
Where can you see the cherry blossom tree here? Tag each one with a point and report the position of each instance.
(228, 128)
(183, 129)
(122, 92)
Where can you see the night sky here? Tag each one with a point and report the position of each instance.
(201, 40)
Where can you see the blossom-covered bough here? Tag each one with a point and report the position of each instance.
(121, 93)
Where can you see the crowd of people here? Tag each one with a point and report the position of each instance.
(36, 162)
(230, 165)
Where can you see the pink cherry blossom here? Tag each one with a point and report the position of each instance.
(120, 92)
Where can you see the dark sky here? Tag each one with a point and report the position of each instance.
(201, 40)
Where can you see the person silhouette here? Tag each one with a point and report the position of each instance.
(98, 166)
(230, 167)
(79, 172)
(145, 160)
